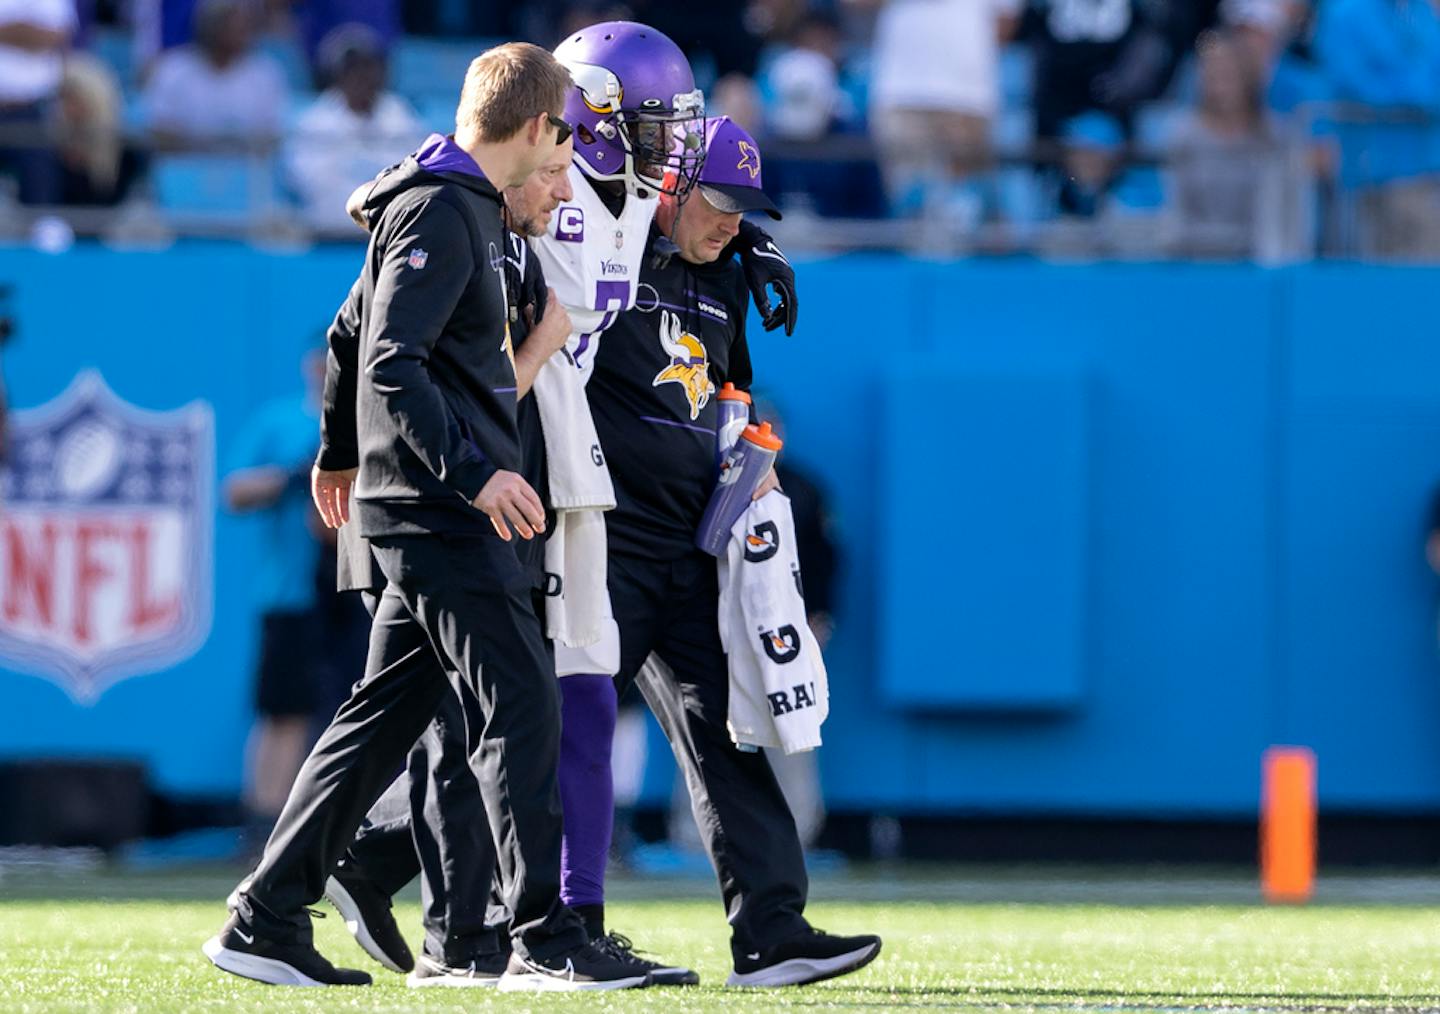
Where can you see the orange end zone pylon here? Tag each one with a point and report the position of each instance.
(1287, 824)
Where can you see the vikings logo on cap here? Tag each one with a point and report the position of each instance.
(689, 363)
(749, 159)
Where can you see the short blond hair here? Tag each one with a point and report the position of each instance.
(508, 85)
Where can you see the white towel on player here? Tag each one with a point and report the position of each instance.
(580, 490)
(779, 694)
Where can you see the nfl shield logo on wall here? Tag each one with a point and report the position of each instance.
(106, 533)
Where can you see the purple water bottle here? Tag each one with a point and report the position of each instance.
(734, 415)
(747, 464)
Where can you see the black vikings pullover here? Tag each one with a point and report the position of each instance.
(653, 398)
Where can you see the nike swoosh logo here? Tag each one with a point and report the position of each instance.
(244, 936)
(754, 957)
(770, 251)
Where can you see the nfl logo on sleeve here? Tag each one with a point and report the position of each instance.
(418, 258)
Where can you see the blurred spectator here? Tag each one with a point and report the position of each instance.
(582, 15)
(807, 104)
(934, 92)
(719, 38)
(1106, 55)
(269, 477)
(219, 86)
(96, 167)
(1092, 154)
(351, 131)
(1386, 54)
(780, 19)
(738, 97)
(319, 19)
(806, 100)
(1231, 179)
(34, 35)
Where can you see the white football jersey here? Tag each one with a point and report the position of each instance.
(591, 259)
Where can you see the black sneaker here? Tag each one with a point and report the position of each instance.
(232, 900)
(483, 970)
(366, 911)
(239, 950)
(583, 968)
(619, 947)
(807, 957)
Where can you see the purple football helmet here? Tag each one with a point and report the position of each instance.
(633, 94)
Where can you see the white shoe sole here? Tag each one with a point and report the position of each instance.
(450, 982)
(534, 983)
(251, 966)
(799, 971)
(336, 894)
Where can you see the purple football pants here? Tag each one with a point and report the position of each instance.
(587, 788)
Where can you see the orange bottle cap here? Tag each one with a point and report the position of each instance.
(763, 436)
(732, 393)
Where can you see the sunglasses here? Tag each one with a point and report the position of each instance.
(563, 130)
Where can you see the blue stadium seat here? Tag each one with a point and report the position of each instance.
(1020, 197)
(221, 185)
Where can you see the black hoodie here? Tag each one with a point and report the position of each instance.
(358, 570)
(435, 398)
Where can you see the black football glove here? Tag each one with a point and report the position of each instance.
(765, 266)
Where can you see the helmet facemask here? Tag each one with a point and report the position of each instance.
(666, 150)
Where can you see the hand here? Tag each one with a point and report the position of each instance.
(771, 481)
(507, 497)
(331, 493)
(552, 330)
(765, 266)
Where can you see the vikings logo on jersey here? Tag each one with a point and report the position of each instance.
(689, 363)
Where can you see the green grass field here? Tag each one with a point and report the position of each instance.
(962, 939)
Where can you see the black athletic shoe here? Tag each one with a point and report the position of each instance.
(619, 947)
(232, 901)
(807, 957)
(584, 968)
(239, 950)
(366, 911)
(483, 970)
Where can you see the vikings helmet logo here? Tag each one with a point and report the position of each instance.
(689, 363)
(749, 160)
